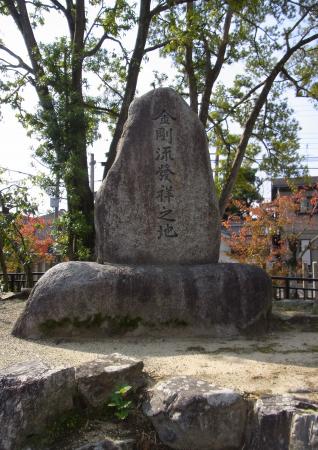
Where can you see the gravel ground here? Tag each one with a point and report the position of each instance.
(278, 363)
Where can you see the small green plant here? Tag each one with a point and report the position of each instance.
(120, 403)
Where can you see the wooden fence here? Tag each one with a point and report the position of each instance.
(17, 280)
(295, 288)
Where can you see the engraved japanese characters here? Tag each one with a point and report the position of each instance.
(165, 171)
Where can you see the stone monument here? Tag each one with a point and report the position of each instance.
(157, 243)
(159, 205)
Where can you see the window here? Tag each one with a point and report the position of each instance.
(306, 258)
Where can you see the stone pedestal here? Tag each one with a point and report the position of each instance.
(90, 299)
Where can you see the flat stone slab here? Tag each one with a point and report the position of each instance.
(190, 413)
(84, 298)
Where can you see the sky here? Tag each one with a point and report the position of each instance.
(16, 148)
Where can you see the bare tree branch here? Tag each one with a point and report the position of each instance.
(99, 44)
(95, 49)
(109, 86)
(21, 64)
(155, 47)
(298, 22)
(164, 6)
(212, 74)
(59, 6)
(189, 66)
(101, 109)
(100, 12)
(295, 83)
(67, 13)
(233, 108)
(8, 97)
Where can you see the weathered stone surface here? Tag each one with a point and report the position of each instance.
(110, 444)
(78, 298)
(284, 423)
(97, 379)
(158, 203)
(189, 413)
(271, 427)
(304, 431)
(30, 395)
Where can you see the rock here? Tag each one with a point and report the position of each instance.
(284, 423)
(304, 431)
(158, 203)
(31, 394)
(271, 426)
(97, 379)
(189, 413)
(109, 444)
(84, 298)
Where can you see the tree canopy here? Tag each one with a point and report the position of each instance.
(21, 233)
(89, 71)
(269, 234)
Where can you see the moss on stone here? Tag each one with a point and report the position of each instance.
(115, 324)
(51, 324)
(270, 348)
(175, 323)
(123, 324)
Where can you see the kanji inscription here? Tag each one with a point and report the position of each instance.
(165, 172)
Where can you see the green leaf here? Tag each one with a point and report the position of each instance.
(123, 390)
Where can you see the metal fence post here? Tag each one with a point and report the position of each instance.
(314, 275)
(305, 283)
(11, 283)
(287, 288)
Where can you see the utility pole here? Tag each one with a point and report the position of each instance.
(54, 201)
(104, 163)
(57, 196)
(92, 171)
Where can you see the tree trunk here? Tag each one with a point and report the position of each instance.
(80, 198)
(79, 195)
(5, 278)
(71, 148)
(192, 82)
(27, 268)
(213, 73)
(132, 77)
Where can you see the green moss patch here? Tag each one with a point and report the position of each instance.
(112, 325)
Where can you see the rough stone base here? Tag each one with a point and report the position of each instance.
(83, 298)
(31, 395)
(192, 414)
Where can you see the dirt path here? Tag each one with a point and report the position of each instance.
(280, 362)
